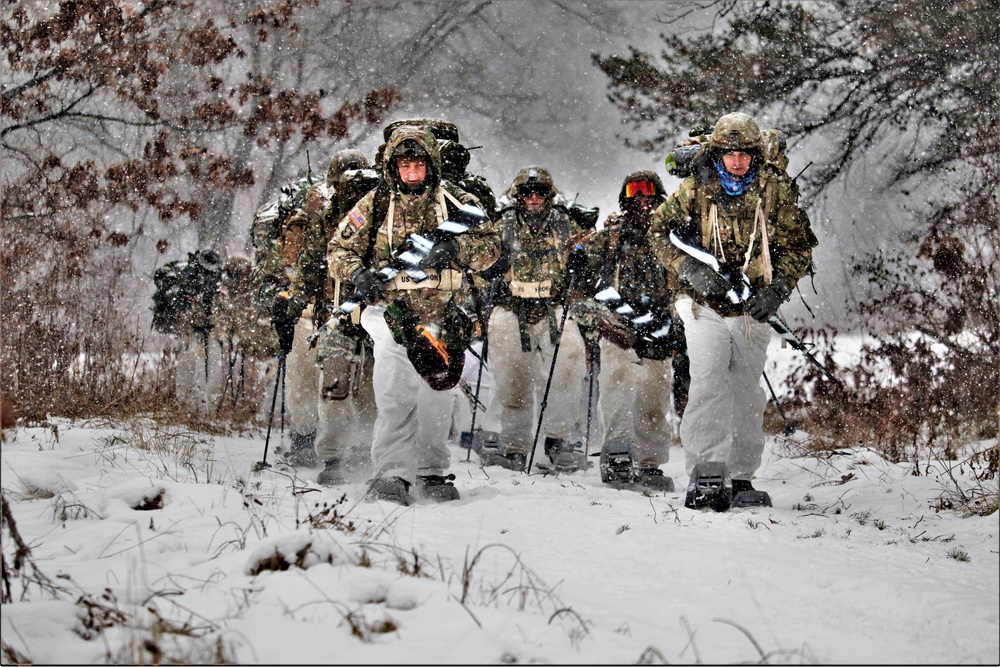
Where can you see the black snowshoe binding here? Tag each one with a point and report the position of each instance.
(564, 456)
(744, 495)
(618, 463)
(493, 452)
(709, 487)
(302, 453)
(393, 489)
(620, 469)
(438, 488)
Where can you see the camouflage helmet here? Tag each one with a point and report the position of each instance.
(345, 160)
(532, 175)
(411, 140)
(651, 176)
(736, 131)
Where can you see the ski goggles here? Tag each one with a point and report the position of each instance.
(540, 189)
(644, 188)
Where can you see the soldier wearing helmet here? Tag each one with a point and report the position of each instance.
(329, 394)
(529, 285)
(635, 348)
(418, 328)
(744, 211)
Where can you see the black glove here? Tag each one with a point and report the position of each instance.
(369, 284)
(576, 263)
(703, 279)
(441, 254)
(763, 304)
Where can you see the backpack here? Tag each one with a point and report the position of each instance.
(679, 161)
(269, 220)
(184, 293)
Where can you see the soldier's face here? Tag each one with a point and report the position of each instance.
(412, 170)
(534, 202)
(737, 163)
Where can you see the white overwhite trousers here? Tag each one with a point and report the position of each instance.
(635, 402)
(519, 380)
(724, 417)
(411, 429)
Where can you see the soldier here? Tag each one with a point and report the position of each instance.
(744, 211)
(524, 331)
(330, 400)
(635, 351)
(238, 326)
(418, 328)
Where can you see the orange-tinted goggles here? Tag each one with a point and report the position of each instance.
(645, 188)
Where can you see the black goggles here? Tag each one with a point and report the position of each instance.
(540, 189)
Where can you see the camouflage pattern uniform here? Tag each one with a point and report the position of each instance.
(724, 416)
(635, 377)
(523, 328)
(334, 423)
(411, 429)
(241, 332)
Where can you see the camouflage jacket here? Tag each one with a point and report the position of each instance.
(237, 320)
(535, 260)
(628, 264)
(689, 212)
(360, 238)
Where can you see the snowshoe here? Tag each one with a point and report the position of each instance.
(710, 486)
(653, 479)
(744, 495)
(493, 452)
(565, 456)
(618, 464)
(438, 488)
(393, 489)
(303, 451)
(332, 473)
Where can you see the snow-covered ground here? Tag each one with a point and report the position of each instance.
(165, 540)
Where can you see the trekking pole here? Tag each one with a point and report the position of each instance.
(270, 417)
(552, 369)
(789, 428)
(475, 400)
(593, 362)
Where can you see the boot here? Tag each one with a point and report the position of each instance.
(393, 489)
(744, 495)
(332, 473)
(493, 451)
(302, 453)
(437, 487)
(654, 480)
(565, 456)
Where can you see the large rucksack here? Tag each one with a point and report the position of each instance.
(680, 161)
(184, 293)
(269, 220)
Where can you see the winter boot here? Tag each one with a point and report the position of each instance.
(618, 463)
(744, 495)
(565, 456)
(654, 480)
(709, 486)
(437, 487)
(303, 451)
(332, 473)
(494, 452)
(393, 489)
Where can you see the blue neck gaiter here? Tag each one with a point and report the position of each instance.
(730, 183)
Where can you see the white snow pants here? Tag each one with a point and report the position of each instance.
(339, 425)
(635, 402)
(519, 380)
(411, 429)
(724, 417)
(199, 380)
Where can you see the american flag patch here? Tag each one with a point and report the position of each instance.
(356, 218)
